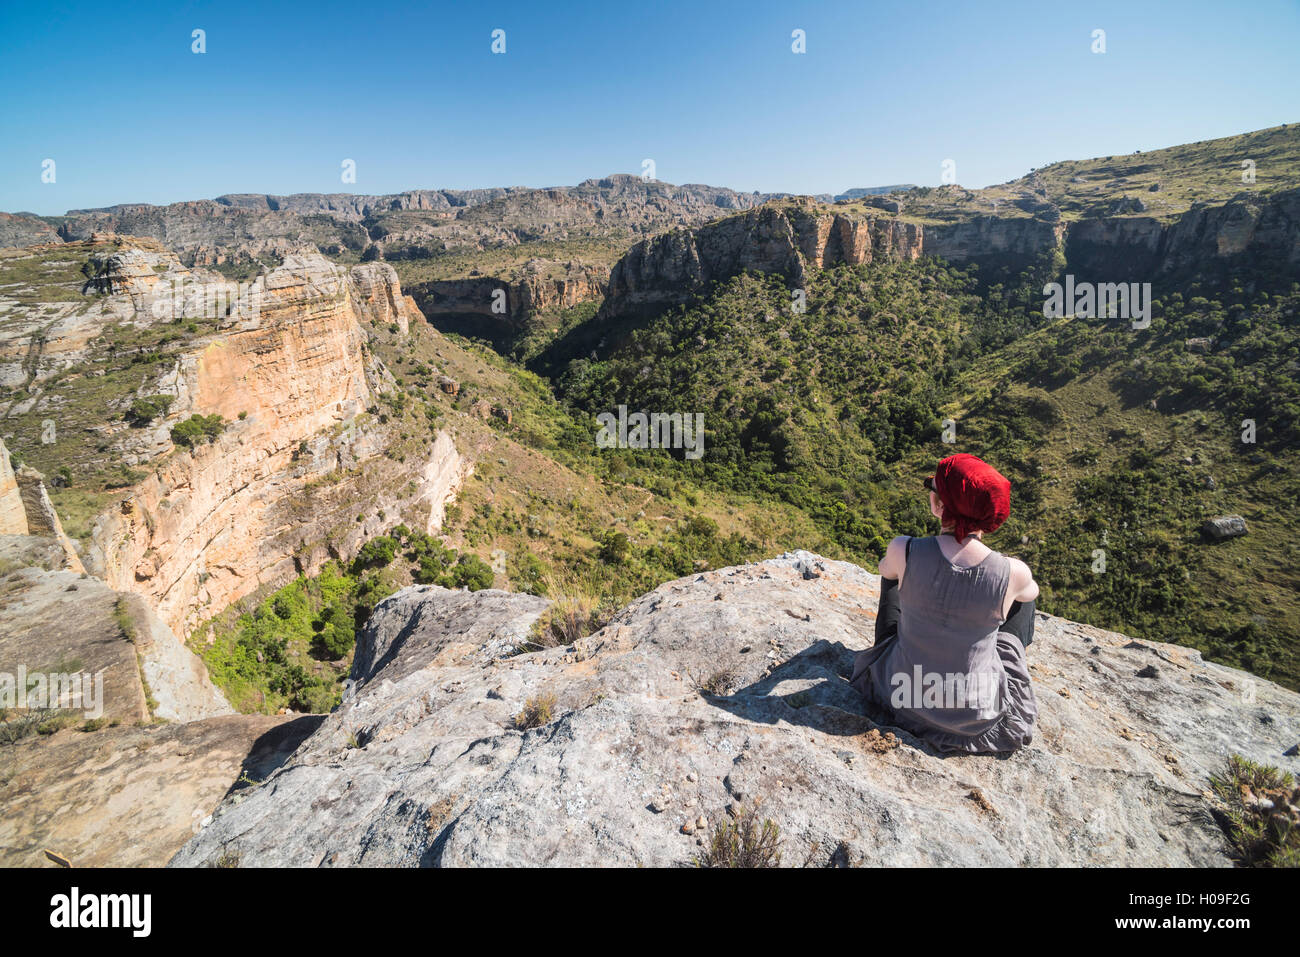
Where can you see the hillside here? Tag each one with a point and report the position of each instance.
(1117, 440)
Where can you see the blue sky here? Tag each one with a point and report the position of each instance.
(710, 91)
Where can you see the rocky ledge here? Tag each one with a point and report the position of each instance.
(726, 690)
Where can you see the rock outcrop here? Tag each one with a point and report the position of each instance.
(284, 360)
(131, 796)
(416, 224)
(22, 229)
(787, 238)
(514, 298)
(25, 509)
(13, 511)
(292, 377)
(728, 690)
(56, 620)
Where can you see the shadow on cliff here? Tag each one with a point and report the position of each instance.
(273, 749)
(817, 695)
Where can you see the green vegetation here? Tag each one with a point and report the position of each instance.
(293, 647)
(283, 651)
(1262, 817)
(197, 429)
(1117, 441)
(1167, 182)
(743, 842)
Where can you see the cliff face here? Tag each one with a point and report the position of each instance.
(792, 236)
(634, 764)
(25, 509)
(414, 224)
(13, 513)
(533, 289)
(17, 229)
(784, 238)
(993, 239)
(277, 492)
(1266, 229)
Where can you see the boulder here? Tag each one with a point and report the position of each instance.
(1225, 526)
(131, 796)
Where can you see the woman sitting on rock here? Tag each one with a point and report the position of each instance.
(954, 621)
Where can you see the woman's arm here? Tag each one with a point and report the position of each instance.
(1022, 586)
(895, 561)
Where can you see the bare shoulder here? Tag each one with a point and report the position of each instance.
(1019, 569)
(1021, 580)
(892, 564)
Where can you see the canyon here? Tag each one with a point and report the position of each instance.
(203, 456)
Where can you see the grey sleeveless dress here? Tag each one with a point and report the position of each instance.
(948, 675)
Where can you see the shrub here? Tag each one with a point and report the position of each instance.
(145, 410)
(196, 429)
(537, 712)
(335, 632)
(473, 573)
(376, 553)
(1262, 822)
(615, 548)
(744, 843)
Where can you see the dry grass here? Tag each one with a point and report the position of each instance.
(538, 711)
(579, 610)
(744, 842)
(1263, 812)
(719, 684)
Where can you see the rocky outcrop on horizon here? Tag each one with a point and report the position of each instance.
(724, 693)
(534, 288)
(788, 237)
(785, 238)
(23, 229)
(244, 228)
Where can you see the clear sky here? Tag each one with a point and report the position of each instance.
(712, 92)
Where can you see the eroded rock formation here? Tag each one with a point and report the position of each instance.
(790, 236)
(292, 377)
(130, 796)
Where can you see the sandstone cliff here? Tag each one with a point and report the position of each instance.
(25, 509)
(788, 237)
(13, 512)
(722, 690)
(20, 229)
(284, 361)
(276, 493)
(416, 224)
(532, 289)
